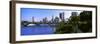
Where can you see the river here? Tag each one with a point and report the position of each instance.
(37, 30)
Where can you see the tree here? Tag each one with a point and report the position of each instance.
(71, 26)
(74, 21)
(56, 20)
(86, 16)
(24, 23)
(62, 28)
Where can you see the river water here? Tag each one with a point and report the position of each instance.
(37, 30)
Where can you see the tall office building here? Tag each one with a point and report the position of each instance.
(33, 19)
(61, 15)
(52, 20)
(74, 13)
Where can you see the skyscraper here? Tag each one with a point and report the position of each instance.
(74, 13)
(33, 19)
(61, 15)
(52, 20)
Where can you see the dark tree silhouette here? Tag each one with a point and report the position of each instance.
(86, 16)
(24, 23)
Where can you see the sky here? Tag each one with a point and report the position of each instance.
(39, 14)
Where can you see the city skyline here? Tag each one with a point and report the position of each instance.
(27, 14)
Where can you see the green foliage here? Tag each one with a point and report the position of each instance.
(74, 20)
(86, 16)
(68, 27)
(63, 28)
(75, 23)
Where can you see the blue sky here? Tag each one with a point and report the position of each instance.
(39, 14)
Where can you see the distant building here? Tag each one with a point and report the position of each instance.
(45, 20)
(74, 13)
(33, 19)
(52, 20)
(61, 16)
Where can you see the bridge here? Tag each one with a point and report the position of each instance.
(37, 23)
